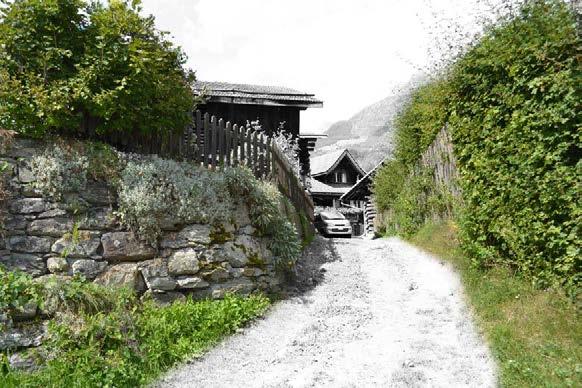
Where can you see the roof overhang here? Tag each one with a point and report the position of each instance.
(262, 101)
(338, 160)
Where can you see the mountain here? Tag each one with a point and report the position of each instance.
(369, 133)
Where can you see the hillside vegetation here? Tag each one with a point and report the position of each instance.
(512, 104)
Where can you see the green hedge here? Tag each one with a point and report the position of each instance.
(512, 104)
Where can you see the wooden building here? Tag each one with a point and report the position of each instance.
(270, 105)
(333, 175)
(360, 195)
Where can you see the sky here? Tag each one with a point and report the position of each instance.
(349, 53)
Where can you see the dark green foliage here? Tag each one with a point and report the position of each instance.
(517, 136)
(512, 104)
(106, 337)
(78, 67)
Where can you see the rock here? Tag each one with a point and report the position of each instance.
(161, 283)
(99, 219)
(172, 241)
(53, 213)
(25, 175)
(184, 262)
(153, 268)
(57, 265)
(22, 337)
(23, 361)
(86, 246)
(216, 274)
(28, 205)
(236, 272)
(98, 194)
(88, 268)
(54, 227)
(253, 272)
(122, 275)
(15, 223)
(30, 244)
(241, 215)
(125, 246)
(247, 243)
(192, 282)
(164, 298)
(31, 264)
(234, 255)
(30, 191)
(249, 230)
(236, 286)
(26, 312)
(196, 233)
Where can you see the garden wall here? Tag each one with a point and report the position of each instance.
(80, 234)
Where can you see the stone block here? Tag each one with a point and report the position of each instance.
(161, 283)
(196, 233)
(15, 222)
(53, 213)
(57, 265)
(98, 194)
(122, 275)
(163, 297)
(125, 246)
(54, 227)
(28, 205)
(22, 337)
(30, 244)
(88, 268)
(193, 282)
(241, 285)
(184, 262)
(98, 219)
(31, 264)
(25, 175)
(86, 245)
(235, 255)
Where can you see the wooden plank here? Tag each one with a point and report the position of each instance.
(255, 158)
(235, 144)
(199, 134)
(268, 167)
(213, 149)
(206, 152)
(228, 143)
(242, 141)
(249, 149)
(221, 140)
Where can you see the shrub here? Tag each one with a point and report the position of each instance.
(83, 67)
(122, 341)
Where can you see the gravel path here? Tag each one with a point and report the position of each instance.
(383, 314)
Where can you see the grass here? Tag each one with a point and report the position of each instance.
(121, 342)
(535, 335)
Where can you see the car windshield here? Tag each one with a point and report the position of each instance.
(332, 216)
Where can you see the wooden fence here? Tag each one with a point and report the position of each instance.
(216, 145)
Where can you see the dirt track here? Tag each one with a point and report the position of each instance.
(383, 314)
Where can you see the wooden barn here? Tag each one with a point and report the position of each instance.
(333, 175)
(270, 105)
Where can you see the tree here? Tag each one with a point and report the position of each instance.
(79, 68)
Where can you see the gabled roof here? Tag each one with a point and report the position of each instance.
(324, 164)
(366, 180)
(255, 94)
(318, 187)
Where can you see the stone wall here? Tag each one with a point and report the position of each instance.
(80, 234)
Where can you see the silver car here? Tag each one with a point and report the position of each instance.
(333, 224)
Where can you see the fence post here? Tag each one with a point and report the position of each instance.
(220, 149)
(206, 139)
(228, 144)
(235, 143)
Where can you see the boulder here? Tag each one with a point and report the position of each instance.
(54, 227)
(87, 245)
(25, 175)
(125, 246)
(15, 222)
(22, 337)
(30, 244)
(88, 268)
(24, 361)
(122, 275)
(31, 264)
(28, 205)
(162, 283)
(196, 233)
(184, 262)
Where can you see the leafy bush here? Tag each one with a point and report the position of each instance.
(516, 130)
(512, 105)
(16, 291)
(123, 342)
(84, 67)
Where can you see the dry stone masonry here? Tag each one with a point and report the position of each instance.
(80, 234)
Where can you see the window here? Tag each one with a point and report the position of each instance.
(341, 176)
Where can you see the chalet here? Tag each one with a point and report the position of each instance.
(333, 175)
(360, 195)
